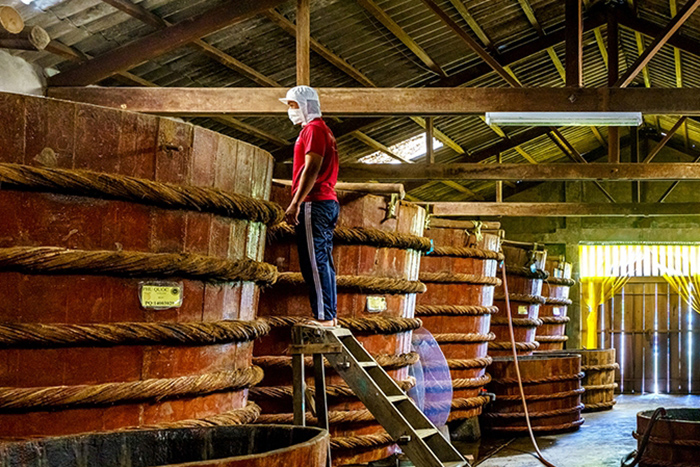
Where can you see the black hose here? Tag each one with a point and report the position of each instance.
(635, 456)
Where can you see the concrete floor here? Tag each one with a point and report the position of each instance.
(602, 441)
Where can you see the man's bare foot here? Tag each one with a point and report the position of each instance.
(326, 324)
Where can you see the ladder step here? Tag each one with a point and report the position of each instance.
(367, 364)
(395, 399)
(426, 432)
(456, 464)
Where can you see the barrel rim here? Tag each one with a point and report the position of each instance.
(646, 416)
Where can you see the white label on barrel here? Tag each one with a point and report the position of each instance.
(522, 310)
(376, 303)
(160, 296)
(555, 311)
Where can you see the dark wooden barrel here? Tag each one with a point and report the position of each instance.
(377, 260)
(551, 335)
(599, 366)
(225, 446)
(460, 276)
(674, 440)
(552, 386)
(525, 274)
(169, 205)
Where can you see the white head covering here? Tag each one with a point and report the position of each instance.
(308, 101)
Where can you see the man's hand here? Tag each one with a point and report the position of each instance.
(291, 216)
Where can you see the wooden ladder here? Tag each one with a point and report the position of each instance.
(420, 440)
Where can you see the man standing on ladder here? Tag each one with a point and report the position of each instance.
(314, 207)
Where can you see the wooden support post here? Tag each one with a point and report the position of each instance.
(303, 42)
(574, 43)
(499, 184)
(634, 158)
(429, 152)
(613, 71)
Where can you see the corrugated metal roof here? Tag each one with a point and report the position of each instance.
(347, 29)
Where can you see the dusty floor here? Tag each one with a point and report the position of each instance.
(603, 440)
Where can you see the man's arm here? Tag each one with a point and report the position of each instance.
(309, 174)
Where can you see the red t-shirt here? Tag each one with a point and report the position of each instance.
(316, 137)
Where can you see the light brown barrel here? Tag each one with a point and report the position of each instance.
(674, 439)
(460, 276)
(376, 256)
(228, 446)
(163, 201)
(599, 367)
(551, 335)
(552, 386)
(524, 273)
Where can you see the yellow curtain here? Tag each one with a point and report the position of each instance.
(687, 287)
(596, 291)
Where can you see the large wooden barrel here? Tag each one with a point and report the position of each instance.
(551, 335)
(227, 446)
(674, 439)
(525, 274)
(377, 260)
(552, 386)
(128, 295)
(599, 367)
(460, 276)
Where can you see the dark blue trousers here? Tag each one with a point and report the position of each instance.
(314, 233)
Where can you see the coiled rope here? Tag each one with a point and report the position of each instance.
(345, 443)
(518, 322)
(243, 416)
(368, 325)
(53, 260)
(557, 301)
(12, 398)
(466, 252)
(360, 236)
(505, 345)
(449, 338)
(469, 383)
(469, 363)
(525, 298)
(560, 281)
(550, 339)
(457, 278)
(361, 284)
(334, 391)
(66, 335)
(554, 319)
(455, 310)
(388, 362)
(139, 190)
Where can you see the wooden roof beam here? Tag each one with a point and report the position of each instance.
(518, 209)
(530, 13)
(574, 43)
(472, 23)
(377, 146)
(664, 140)
(401, 35)
(140, 50)
(661, 39)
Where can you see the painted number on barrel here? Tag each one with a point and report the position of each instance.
(376, 304)
(161, 296)
(522, 310)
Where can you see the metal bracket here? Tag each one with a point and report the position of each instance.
(392, 208)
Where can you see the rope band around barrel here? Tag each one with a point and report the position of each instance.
(603, 367)
(360, 236)
(382, 324)
(518, 322)
(543, 379)
(549, 339)
(52, 260)
(541, 397)
(600, 387)
(557, 301)
(457, 278)
(515, 270)
(335, 417)
(157, 333)
(560, 281)
(469, 383)
(12, 398)
(361, 284)
(470, 402)
(538, 429)
(455, 310)
(243, 416)
(554, 319)
(465, 252)
(516, 297)
(360, 442)
(456, 338)
(506, 345)
(334, 391)
(591, 407)
(388, 362)
(469, 363)
(139, 190)
(541, 414)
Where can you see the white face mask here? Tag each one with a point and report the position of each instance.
(296, 116)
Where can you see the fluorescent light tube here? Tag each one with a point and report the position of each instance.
(564, 118)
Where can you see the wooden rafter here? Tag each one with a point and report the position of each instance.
(676, 50)
(401, 35)
(613, 75)
(160, 42)
(530, 13)
(640, 50)
(513, 209)
(664, 140)
(377, 146)
(673, 26)
(472, 23)
(303, 38)
(574, 43)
